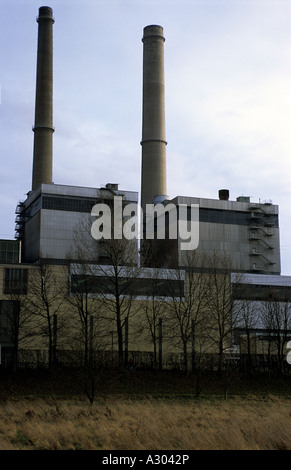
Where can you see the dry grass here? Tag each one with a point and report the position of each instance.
(117, 424)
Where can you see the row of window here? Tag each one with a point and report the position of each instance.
(9, 251)
(15, 281)
(262, 292)
(87, 284)
(220, 216)
(85, 204)
(10, 257)
(74, 204)
(233, 217)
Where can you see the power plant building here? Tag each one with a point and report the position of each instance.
(54, 215)
(247, 232)
(46, 221)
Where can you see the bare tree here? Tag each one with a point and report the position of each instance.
(91, 372)
(110, 268)
(154, 313)
(19, 324)
(45, 302)
(246, 313)
(276, 318)
(222, 315)
(13, 315)
(79, 298)
(248, 320)
(117, 287)
(187, 305)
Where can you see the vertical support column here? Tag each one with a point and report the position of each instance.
(91, 341)
(153, 180)
(193, 357)
(160, 343)
(43, 126)
(55, 332)
(126, 343)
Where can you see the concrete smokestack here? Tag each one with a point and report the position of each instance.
(43, 125)
(153, 181)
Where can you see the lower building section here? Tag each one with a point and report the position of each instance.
(152, 318)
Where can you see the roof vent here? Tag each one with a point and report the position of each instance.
(223, 194)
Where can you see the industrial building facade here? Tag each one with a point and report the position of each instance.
(48, 220)
(55, 220)
(247, 232)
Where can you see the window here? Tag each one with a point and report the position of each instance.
(9, 251)
(87, 284)
(66, 203)
(262, 292)
(15, 281)
(7, 317)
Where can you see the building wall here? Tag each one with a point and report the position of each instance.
(247, 232)
(58, 280)
(54, 215)
(136, 305)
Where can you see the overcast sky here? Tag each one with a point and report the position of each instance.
(228, 98)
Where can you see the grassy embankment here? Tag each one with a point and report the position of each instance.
(144, 411)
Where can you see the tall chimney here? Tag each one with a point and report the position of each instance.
(43, 126)
(153, 180)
